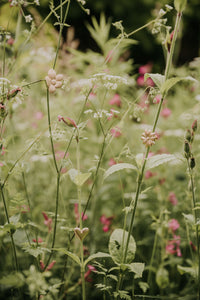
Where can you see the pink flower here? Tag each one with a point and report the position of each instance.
(92, 96)
(149, 174)
(166, 112)
(39, 115)
(47, 221)
(60, 155)
(116, 132)
(173, 246)
(116, 100)
(1, 164)
(157, 99)
(84, 217)
(87, 274)
(112, 162)
(145, 68)
(140, 80)
(106, 222)
(173, 224)
(172, 198)
(50, 266)
(68, 121)
(38, 240)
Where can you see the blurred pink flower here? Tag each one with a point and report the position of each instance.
(116, 132)
(157, 99)
(173, 246)
(116, 100)
(47, 221)
(140, 80)
(38, 240)
(166, 112)
(145, 68)
(149, 174)
(173, 224)
(1, 164)
(39, 115)
(172, 198)
(84, 217)
(106, 222)
(87, 274)
(112, 162)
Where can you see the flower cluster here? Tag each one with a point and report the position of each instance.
(173, 245)
(53, 80)
(148, 137)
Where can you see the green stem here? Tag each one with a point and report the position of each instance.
(11, 234)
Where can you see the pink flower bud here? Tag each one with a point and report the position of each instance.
(52, 74)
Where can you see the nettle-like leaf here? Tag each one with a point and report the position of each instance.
(117, 244)
(193, 271)
(122, 295)
(118, 167)
(96, 255)
(70, 254)
(77, 177)
(162, 278)
(160, 159)
(144, 286)
(137, 268)
(169, 83)
(157, 78)
(35, 251)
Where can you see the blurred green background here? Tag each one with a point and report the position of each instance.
(133, 14)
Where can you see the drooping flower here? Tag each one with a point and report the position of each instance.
(173, 225)
(47, 221)
(68, 121)
(166, 112)
(38, 240)
(173, 246)
(145, 68)
(112, 162)
(106, 222)
(172, 198)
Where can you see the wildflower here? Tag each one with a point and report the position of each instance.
(149, 138)
(172, 198)
(47, 221)
(194, 125)
(13, 93)
(28, 19)
(84, 216)
(53, 80)
(116, 132)
(166, 112)
(39, 115)
(149, 174)
(157, 99)
(173, 224)
(50, 266)
(116, 100)
(106, 222)
(173, 246)
(87, 274)
(112, 162)
(1, 164)
(145, 68)
(68, 121)
(38, 240)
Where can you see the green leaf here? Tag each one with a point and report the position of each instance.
(77, 177)
(157, 78)
(159, 159)
(144, 286)
(180, 5)
(117, 244)
(122, 295)
(189, 270)
(32, 250)
(118, 167)
(189, 218)
(169, 83)
(137, 268)
(70, 254)
(96, 255)
(162, 278)
(14, 279)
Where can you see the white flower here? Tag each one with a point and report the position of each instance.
(28, 19)
(37, 2)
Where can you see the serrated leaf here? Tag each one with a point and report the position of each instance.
(189, 218)
(160, 159)
(14, 279)
(144, 286)
(77, 177)
(189, 270)
(35, 251)
(118, 167)
(122, 295)
(137, 268)
(117, 244)
(169, 83)
(96, 255)
(157, 78)
(70, 254)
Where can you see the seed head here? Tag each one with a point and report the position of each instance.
(148, 138)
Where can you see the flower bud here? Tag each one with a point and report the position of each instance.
(192, 163)
(188, 135)
(187, 149)
(194, 125)
(52, 74)
(13, 93)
